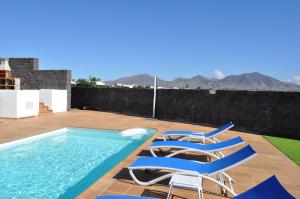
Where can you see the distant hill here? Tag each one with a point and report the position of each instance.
(141, 79)
(252, 81)
(146, 80)
(246, 81)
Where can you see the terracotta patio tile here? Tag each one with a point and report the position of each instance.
(117, 187)
(109, 193)
(89, 194)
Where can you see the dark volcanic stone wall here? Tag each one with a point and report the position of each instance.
(32, 78)
(24, 64)
(126, 101)
(271, 113)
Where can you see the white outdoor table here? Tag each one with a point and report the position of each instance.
(186, 181)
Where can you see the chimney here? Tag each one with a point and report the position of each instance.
(5, 71)
(4, 65)
(6, 81)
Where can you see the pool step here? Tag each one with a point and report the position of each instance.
(44, 109)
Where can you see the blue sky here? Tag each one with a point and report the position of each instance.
(170, 38)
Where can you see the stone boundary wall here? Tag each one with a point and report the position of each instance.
(261, 112)
(32, 78)
(125, 101)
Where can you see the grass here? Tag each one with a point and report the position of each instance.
(289, 147)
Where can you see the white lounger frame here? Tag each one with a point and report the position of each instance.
(213, 153)
(219, 178)
(219, 181)
(201, 136)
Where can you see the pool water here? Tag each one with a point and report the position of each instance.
(63, 164)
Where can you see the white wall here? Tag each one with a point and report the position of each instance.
(8, 103)
(19, 103)
(56, 100)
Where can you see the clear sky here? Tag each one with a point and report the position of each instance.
(170, 38)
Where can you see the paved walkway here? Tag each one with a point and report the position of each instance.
(269, 160)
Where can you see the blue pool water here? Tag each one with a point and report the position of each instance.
(64, 164)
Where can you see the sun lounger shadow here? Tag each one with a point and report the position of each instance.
(155, 194)
(124, 176)
(144, 153)
(197, 157)
(163, 195)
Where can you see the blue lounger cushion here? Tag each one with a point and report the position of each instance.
(200, 147)
(210, 168)
(270, 188)
(206, 135)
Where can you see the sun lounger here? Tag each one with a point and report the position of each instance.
(203, 170)
(270, 188)
(188, 135)
(212, 150)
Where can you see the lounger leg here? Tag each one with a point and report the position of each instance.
(170, 191)
(221, 180)
(200, 196)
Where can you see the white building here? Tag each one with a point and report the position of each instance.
(16, 103)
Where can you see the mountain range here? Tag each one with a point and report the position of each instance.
(246, 81)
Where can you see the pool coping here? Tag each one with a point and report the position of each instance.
(33, 138)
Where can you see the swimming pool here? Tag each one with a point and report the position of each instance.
(62, 163)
